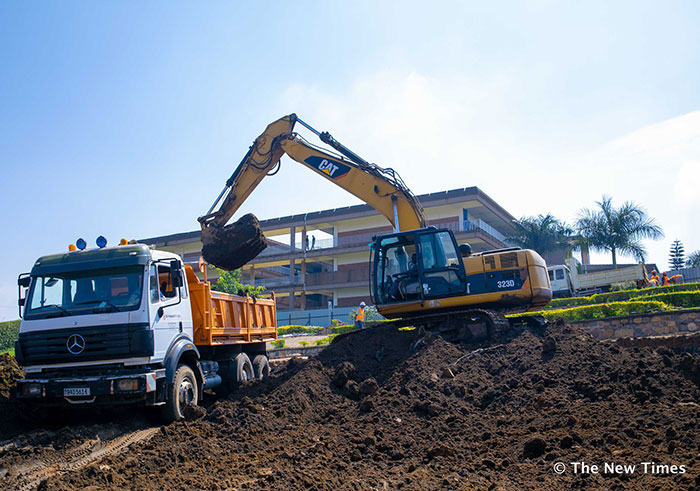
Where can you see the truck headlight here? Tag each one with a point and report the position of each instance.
(32, 390)
(127, 384)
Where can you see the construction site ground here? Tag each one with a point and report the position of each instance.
(390, 409)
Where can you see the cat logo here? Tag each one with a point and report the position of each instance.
(331, 168)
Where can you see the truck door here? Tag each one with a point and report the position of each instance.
(166, 318)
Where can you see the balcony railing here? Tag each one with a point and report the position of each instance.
(317, 279)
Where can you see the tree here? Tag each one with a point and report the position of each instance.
(230, 282)
(693, 260)
(676, 257)
(543, 233)
(618, 230)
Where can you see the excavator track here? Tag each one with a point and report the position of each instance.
(467, 326)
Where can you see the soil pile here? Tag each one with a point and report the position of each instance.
(386, 409)
(12, 412)
(234, 245)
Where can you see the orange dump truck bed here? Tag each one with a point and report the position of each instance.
(220, 318)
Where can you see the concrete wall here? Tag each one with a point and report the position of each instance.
(639, 325)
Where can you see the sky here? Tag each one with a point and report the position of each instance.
(125, 119)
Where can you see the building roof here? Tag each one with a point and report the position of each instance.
(348, 212)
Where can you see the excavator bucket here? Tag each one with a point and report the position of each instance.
(234, 245)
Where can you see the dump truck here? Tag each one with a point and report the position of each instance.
(567, 281)
(133, 325)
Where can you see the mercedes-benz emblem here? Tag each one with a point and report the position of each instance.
(75, 344)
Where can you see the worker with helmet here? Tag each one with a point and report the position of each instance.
(664, 279)
(654, 280)
(676, 278)
(360, 316)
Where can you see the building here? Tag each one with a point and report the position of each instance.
(318, 261)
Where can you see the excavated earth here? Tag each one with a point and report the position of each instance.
(234, 245)
(389, 409)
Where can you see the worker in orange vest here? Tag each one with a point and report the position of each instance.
(676, 278)
(654, 280)
(664, 279)
(360, 316)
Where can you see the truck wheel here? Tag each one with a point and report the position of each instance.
(261, 366)
(181, 392)
(243, 370)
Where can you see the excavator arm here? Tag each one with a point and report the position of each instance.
(380, 188)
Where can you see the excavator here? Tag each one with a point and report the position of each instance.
(420, 276)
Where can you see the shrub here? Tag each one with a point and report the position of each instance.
(294, 329)
(278, 343)
(322, 342)
(344, 328)
(9, 332)
(599, 311)
(336, 322)
(304, 343)
(623, 285)
(370, 314)
(621, 296)
(629, 294)
(677, 299)
(569, 302)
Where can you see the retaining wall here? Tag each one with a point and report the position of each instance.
(638, 325)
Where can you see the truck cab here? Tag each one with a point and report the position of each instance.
(560, 279)
(116, 325)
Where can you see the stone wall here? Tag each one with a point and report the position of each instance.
(638, 325)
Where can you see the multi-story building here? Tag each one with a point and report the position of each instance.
(319, 260)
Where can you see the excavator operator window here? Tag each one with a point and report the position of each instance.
(396, 270)
(441, 268)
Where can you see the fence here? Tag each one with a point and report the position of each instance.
(320, 317)
(690, 275)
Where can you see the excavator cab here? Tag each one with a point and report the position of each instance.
(418, 265)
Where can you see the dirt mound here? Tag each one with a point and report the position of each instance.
(234, 245)
(388, 409)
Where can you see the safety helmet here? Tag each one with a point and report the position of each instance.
(362, 304)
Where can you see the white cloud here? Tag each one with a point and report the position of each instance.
(454, 132)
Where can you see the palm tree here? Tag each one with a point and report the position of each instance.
(693, 260)
(617, 229)
(543, 233)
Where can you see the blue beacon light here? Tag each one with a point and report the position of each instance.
(101, 242)
(81, 244)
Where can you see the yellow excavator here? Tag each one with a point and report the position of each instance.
(420, 274)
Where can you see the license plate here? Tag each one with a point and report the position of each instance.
(76, 391)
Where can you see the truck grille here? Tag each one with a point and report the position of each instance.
(97, 342)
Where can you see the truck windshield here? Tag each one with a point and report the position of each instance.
(85, 292)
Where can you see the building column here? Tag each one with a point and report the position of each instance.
(292, 250)
(252, 275)
(303, 268)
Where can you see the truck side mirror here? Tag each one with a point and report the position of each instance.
(24, 281)
(176, 274)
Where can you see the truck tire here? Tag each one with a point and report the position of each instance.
(234, 373)
(244, 371)
(181, 392)
(261, 366)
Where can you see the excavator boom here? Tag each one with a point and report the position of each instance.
(232, 246)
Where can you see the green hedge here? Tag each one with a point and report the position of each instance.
(282, 330)
(676, 299)
(622, 296)
(351, 327)
(9, 332)
(599, 311)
